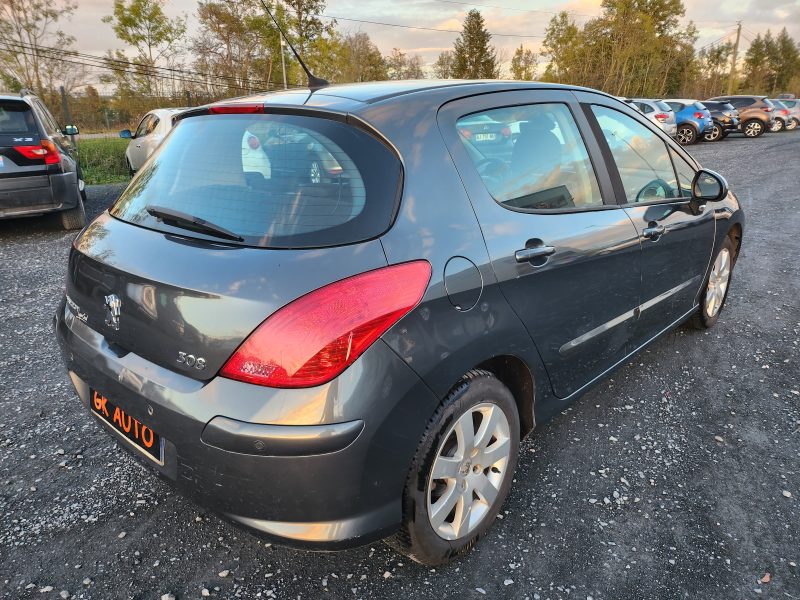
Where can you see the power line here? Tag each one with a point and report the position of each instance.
(523, 10)
(134, 68)
(514, 35)
(155, 75)
(123, 65)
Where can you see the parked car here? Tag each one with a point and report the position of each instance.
(659, 112)
(755, 113)
(794, 112)
(335, 362)
(725, 120)
(39, 168)
(693, 120)
(150, 132)
(783, 116)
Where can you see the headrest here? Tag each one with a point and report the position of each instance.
(538, 122)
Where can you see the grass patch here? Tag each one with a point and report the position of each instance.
(103, 160)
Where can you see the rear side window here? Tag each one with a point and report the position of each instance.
(641, 157)
(676, 106)
(531, 157)
(16, 117)
(278, 181)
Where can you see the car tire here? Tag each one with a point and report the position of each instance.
(714, 134)
(686, 135)
(478, 393)
(74, 218)
(792, 124)
(716, 287)
(753, 128)
(778, 126)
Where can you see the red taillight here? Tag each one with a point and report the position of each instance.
(661, 117)
(784, 112)
(243, 108)
(466, 133)
(506, 131)
(699, 115)
(313, 339)
(45, 150)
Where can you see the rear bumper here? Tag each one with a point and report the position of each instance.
(37, 194)
(317, 468)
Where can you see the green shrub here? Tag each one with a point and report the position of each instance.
(103, 160)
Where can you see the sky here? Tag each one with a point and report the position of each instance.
(523, 21)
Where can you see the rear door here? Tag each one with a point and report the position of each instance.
(676, 233)
(565, 254)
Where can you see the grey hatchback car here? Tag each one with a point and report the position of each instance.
(39, 170)
(346, 339)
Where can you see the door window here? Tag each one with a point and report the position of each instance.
(641, 157)
(151, 126)
(686, 174)
(142, 129)
(531, 157)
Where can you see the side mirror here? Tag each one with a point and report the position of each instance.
(126, 134)
(71, 130)
(709, 186)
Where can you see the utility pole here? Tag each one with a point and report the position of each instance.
(732, 77)
(283, 64)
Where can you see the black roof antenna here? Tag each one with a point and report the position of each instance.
(314, 82)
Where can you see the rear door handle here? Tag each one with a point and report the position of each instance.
(528, 254)
(654, 232)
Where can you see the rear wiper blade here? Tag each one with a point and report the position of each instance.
(186, 221)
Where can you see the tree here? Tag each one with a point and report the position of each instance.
(523, 64)
(473, 56)
(443, 67)
(401, 66)
(785, 61)
(756, 64)
(32, 47)
(238, 45)
(143, 25)
(364, 60)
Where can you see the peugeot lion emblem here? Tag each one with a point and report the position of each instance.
(113, 307)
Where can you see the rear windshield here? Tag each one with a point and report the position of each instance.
(16, 116)
(768, 102)
(699, 106)
(278, 181)
(663, 106)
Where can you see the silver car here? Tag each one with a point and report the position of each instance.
(793, 106)
(659, 112)
(152, 129)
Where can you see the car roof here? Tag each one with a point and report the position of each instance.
(12, 96)
(682, 100)
(347, 97)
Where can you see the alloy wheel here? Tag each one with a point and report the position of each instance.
(792, 124)
(468, 471)
(714, 134)
(753, 129)
(685, 136)
(718, 282)
(777, 126)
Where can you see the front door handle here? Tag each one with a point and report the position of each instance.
(654, 232)
(529, 254)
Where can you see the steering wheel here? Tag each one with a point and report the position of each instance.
(491, 168)
(657, 189)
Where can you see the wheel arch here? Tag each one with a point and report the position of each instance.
(517, 377)
(735, 234)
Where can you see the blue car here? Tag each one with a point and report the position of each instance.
(693, 119)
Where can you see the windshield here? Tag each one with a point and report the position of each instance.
(279, 181)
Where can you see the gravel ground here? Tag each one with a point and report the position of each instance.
(678, 478)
